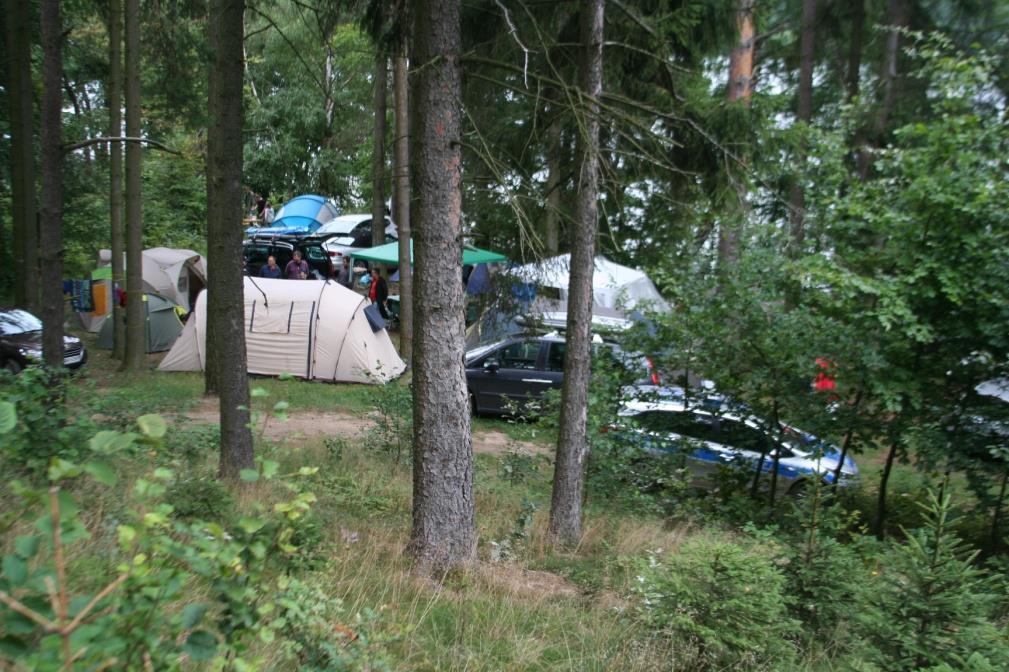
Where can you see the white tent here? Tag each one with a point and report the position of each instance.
(613, 285)
(307, 328)
(178, 275)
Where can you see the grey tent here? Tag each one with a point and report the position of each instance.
(161, 325)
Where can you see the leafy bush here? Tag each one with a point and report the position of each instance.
(193, 442)
(933, 606)
(43, 430)
(394, 423)
(200, 498)
(725, 599)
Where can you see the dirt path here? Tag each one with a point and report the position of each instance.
(307, 424)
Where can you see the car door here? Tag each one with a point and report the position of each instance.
(695, 435)
(506, 374)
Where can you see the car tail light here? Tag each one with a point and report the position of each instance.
(606, 429)
(333, 254)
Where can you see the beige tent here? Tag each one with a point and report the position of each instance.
(307, 328)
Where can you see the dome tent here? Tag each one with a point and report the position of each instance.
(161, 325)
(175, 274)
(301, 215)
(613, 285)
(311, 329)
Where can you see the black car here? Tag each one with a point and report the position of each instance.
(21, 342)
(514, 372)
(256, 250)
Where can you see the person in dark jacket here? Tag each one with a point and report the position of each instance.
(345, 276)
(379, 292)
(297, 268)
(270, 270)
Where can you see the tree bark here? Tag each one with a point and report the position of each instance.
(804, 111)
(444, 533)
(136, 350)
(884, 481)
(50, 243)
(891, 53)
(20, 96)
(401, 204)
(572, 440)
(225, 282)
(378, 151)
(740, 89)
(116, 171)
(855, 49)
(553, 213)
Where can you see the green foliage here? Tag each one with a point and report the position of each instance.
(145, 616)
(200, 498)
(39, 420)
(933, 605)
(723, 599)
(394, 419)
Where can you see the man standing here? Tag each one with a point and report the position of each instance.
(270, 270)
(379, 291)
(345, 276)
(296, 268)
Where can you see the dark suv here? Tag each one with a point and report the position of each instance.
(21, 342)
(256, 250)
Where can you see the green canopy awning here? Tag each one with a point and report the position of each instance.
(389, 254)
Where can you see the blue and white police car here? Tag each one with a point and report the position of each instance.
(713, 435)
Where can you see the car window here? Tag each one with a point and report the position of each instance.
(256, 254)
(519, 355)
(315, 253)
(18, 322)
(684, 423)
(555, 356)
(362, 234)
(741, 436)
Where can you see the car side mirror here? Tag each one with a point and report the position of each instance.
(491, 366)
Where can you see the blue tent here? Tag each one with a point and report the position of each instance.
(302, 215)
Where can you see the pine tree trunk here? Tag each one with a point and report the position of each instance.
(378, 151)
(895, 16)
(116, 171)
(740, 89)
(20, 96)
(135, 354)
(401, 203)
(444, 533)
(225, 282)
(572, 440)
(855, 50)
(553, 213)
(804, 111)
(50, 244)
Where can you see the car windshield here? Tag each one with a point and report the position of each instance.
(14, 322)
(340, 225)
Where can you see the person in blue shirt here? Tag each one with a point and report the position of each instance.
(270, 270)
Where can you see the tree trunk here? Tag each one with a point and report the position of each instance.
(740, 89)
(996, 519)
(378, 151)
(116, 171)
(50, 244)
(136, 350)
(741, 58)
(855, 49)
(804, 111)
(891, 53)
(884, 480)
(225, 282)
(20, 96)
(401, 205)
(444, 533)
(572, 440)
(553, 214)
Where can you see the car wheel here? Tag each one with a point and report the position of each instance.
(14, 366)
(799, 490)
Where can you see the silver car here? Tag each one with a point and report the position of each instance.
(710, 438)
(347, 234)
